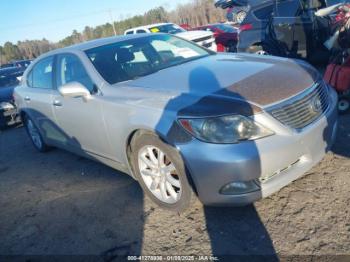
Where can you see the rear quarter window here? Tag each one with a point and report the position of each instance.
(42, 74)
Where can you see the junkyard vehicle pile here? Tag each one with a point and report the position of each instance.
(317, 31)
(338, 71)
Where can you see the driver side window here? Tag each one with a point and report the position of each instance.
(71, 69)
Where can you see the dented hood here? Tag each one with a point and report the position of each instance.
(257, 80)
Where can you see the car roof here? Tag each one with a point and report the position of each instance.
(148, 26)
(95, 43)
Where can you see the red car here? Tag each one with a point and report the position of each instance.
(226, 36)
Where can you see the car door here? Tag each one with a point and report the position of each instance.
(37, 94)
(284, 18)
(81, 120)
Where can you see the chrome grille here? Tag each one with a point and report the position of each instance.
(303, 109)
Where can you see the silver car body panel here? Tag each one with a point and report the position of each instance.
(101, 127)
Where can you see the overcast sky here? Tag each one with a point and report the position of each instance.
(56, 19)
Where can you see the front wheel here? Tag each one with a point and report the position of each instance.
(161, 172)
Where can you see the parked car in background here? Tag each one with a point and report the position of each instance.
(225, 36)
(179, 118)
(202, 38)
(287, 28)
(20, 63)
(236, 10)
(187, 27)
(9, 79)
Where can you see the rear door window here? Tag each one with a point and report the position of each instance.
(140, 31)
(42, 74)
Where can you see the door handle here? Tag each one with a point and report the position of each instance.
(57, 103)
(27, 98)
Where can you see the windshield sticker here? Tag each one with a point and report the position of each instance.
(154, 30)
(186, 52)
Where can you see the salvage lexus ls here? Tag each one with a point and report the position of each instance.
(182, 120)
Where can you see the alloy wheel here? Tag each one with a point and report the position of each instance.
(34, 134)
(159, 174)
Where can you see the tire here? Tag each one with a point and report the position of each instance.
(144, 144)
(343, 105)
(34, 135)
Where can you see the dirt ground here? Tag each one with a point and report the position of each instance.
(60, 204)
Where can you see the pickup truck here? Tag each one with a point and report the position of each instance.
(202, 38)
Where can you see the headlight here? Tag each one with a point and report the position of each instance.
(6, 106)
(225, 129)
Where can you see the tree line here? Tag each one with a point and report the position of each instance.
(194, 13)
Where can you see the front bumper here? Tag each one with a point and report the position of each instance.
(282, 158)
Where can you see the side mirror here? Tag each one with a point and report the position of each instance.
(74, 89)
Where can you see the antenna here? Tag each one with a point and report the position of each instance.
(112, 21)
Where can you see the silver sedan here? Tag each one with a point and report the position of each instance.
(180, 119)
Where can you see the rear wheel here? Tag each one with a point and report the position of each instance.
(161, 172)
(35, 135)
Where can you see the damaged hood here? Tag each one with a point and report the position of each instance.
(223, 80)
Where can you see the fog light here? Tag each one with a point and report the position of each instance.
(238, 188)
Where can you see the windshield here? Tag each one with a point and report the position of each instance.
(168, 28)
(134, 58)
(226, 28)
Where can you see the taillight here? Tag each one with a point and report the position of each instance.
(245, 27)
